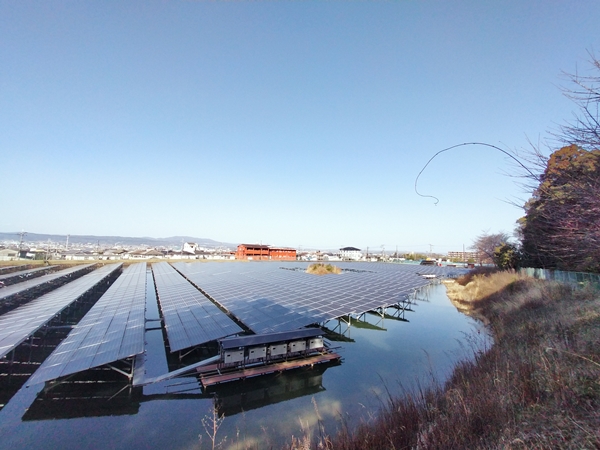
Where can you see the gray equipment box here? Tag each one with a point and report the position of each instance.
(278, 349)
(297, 346)
(315, 343)
(257, 352)
(233, 356)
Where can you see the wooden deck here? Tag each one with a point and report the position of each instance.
(211, 375)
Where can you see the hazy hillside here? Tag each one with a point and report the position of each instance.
(113, 240)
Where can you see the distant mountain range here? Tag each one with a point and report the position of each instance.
(109, 241)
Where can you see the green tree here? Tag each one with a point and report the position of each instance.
(507, 256)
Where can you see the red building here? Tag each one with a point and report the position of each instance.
(258, 252)
(282, 253)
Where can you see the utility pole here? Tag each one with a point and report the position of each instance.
(22, 233)
(67, 246)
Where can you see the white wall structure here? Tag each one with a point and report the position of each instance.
(352, 253)
(189, 247)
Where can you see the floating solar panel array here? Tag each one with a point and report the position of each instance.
(112, 330)
(30, 284)
(17, 325)
(190, 318)
(268, 298)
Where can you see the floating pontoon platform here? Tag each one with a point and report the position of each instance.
(212, 374)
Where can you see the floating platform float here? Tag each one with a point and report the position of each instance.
(255, 355)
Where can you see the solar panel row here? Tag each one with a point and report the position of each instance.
(268, 299)
(17, 325)
(112, 330)
(190, 318)
(6, 269)
(30, 284)
(25, 273)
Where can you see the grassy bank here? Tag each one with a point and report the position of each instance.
(538, 386)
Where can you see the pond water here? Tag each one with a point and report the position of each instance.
(382, 356)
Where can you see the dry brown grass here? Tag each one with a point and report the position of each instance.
(323, 269)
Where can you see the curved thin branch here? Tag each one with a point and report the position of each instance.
(437, 200)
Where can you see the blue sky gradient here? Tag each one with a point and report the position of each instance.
(286, 123)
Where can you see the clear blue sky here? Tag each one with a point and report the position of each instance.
(288, 123)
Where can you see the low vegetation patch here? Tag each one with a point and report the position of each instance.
(323, 269)
(480, 272)
(538, 386)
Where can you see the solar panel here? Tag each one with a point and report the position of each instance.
(25, 273)
(30, 284)
(190, 318)
(267, 299)
(20, 323)
(113, 329)
(4, 269)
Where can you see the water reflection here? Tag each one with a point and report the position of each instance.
(242, 396)
(95, 402)
(86, 398)
(340, 328)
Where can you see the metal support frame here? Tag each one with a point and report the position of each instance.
(184, 354)
(122, 372)
(341, 320)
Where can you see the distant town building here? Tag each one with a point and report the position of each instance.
(330, 257)
(258, 252)
(189, 247)
(350, 253)
(7, 254)
(463, 256)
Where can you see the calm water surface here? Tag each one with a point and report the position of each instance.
(266, 411)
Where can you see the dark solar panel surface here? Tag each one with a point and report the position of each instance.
(112, 330)
(25, 273)
(17, 325)
(29, 284)
(4, 269)
(190, 318)
(268, 298)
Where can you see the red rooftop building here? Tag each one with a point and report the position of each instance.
(258, 252)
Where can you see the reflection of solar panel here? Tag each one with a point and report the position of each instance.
(17, 325)
(190, 318)
(112, 330)
(269, 299)
(29, 284)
